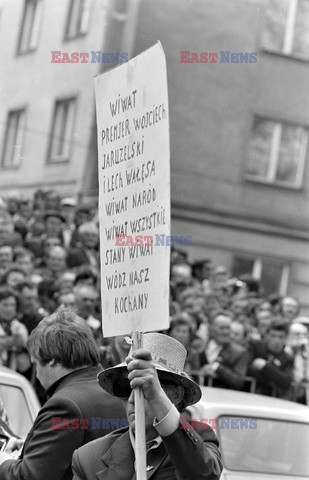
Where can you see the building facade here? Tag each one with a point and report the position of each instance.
(239, 122)
(50, 52)
(239, 132)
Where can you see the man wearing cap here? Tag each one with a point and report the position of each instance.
(172, 452)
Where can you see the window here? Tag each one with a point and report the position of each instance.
(277, 153)
(264, 447)
(29, 34)
(287, 28)
(78, 18)
(17, 409)
(13, 140)
(273, 274)
(62, 130)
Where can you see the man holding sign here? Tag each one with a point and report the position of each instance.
(172, 452)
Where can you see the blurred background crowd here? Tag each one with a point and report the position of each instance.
(236, 336)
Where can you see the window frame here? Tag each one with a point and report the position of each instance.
(19, 136)
(274, 159)
(83, 30)
(289, 35)
(32, 45)
(64, 158)
(257, 268)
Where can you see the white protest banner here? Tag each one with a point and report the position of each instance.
(134, 194)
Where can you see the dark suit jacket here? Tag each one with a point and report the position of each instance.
(276, 377)
(233, 367)
(185, 454)
(47, 452)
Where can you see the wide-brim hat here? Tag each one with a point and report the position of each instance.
(169, 357)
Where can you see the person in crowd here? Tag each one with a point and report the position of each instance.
(173, 452)
(178, 256)
(270, 364)
(6, 258)
(55, 262)
(181, 330)
(184, 330)
(13, 275)
(289, 308)
(303, 320)
(13, 334)
(223, 361)
(298, 346)
(29, 308)
(239, 333)
(66, 299)
(67, 365)
(82, 215)
(201, 270)
(181, 273)
(218, 279)
(66, 281)
(262, 306)
(240, 307)
(68, 210)
(86, 275)
(53, 225)
(116, 352)
(24, 259)
(87, 302)
(7, 233)
(262, 321)
(87, 253)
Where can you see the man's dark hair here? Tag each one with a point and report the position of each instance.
(179, 321)
(7, 292)
(65, 338)
(85, 273)
(8, 272)
(198, 266)
(24, 284)
(279, 325)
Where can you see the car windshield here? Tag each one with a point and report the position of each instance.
(264, 445)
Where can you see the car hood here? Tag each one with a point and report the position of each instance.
(228, 475)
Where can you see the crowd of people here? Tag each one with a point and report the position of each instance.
(236, 337)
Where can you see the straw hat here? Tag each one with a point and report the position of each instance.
(169, 357)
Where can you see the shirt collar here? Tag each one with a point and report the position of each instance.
(51, 390)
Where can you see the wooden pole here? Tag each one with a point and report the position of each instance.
(140, 430)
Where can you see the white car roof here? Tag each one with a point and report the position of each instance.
(217, 402)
